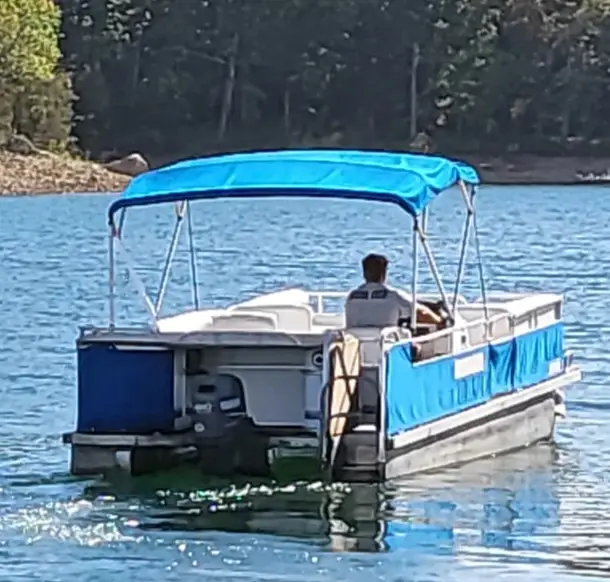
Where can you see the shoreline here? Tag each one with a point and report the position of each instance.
(45, 173)
(535, 170)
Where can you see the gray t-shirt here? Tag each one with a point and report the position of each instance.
(376, 305)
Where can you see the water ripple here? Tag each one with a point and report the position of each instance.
(539, 514)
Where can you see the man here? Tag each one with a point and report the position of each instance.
(374, 304)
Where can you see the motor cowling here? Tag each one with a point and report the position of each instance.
(225, 435)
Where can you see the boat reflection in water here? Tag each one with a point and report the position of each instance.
(498, 504)
(494, 503)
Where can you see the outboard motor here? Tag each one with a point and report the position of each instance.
(226, 438)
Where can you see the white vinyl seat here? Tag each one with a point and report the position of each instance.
(371, 349)
(289, 317)
(244, 321)
(370, 344)
(191, 321)
(329, 320)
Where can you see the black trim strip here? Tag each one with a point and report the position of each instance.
(396, 452)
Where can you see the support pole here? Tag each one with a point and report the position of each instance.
(464, 246)
(434, 270)
(170, 257)
(414, 277)
(122, 216)
(193, 258)
(468, 197)
(479, 257)
(150, 310)
(460, 272)
(111, 277)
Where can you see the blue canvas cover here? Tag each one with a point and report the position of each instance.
(410, 180)
(125, 391)
(421, 392)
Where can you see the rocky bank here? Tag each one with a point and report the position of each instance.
(42, 173)
(532, 169)
(48, 173)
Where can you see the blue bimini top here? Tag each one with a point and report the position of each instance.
(410, 180)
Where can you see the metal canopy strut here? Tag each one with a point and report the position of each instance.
(414, 280)
(433, 269)
(464, 245)
(111, 277)
(171, 251)
(192, 257)
(133, 275)
(479, 256)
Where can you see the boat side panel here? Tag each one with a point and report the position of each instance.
(533, 353)
(525, 423)
(126, 390)
(421, 392)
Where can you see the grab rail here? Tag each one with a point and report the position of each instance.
(318, 297)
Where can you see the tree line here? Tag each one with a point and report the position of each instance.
(172, 78)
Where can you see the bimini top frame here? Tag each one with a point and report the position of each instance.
(411, 181)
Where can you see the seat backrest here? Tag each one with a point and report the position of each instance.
(289, 317)
(329, 320)
(185, 322)
(241, 321)
(370, 344)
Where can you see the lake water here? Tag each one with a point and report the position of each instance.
(541, 514)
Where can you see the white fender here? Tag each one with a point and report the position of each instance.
(123, 460)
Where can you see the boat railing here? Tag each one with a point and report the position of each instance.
(479, 331)
(469, 334)
(90, 331)
(317, 299)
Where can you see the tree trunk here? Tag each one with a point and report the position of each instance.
(229, 89)
(135, 73)
(414, 67)
(287, 125)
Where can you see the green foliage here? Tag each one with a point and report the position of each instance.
(6, 111)
(28, 39)
(44, 113)
(178, 77)
(35, 98)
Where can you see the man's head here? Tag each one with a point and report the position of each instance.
(374, 268)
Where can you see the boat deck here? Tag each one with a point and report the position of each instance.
(295, 317)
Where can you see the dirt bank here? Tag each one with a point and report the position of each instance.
(42, 174)
(47, 173)
(531, 169)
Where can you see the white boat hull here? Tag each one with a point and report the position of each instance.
(504, 424)
(142, 395)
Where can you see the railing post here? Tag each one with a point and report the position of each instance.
(111, 276)
(414, 276)
(479, 259)
(193, 258)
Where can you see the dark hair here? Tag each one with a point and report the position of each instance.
(374, 268)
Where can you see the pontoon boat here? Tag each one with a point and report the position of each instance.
(239, 389)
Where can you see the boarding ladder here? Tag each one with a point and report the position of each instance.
(351, 412)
